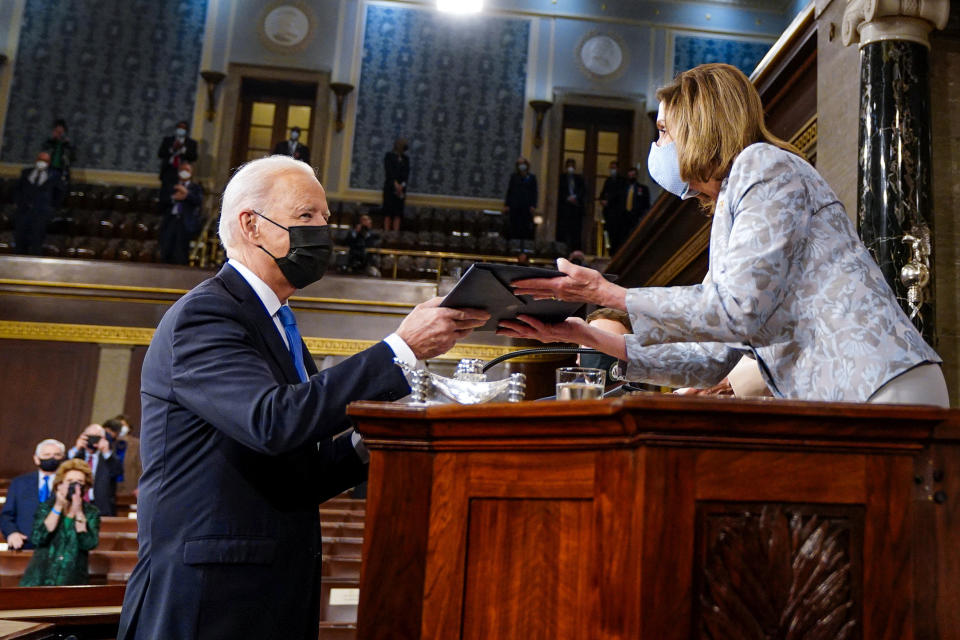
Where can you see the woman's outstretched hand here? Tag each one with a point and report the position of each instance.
(581, 284)
(570, 330)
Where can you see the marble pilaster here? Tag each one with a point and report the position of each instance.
(894, 213)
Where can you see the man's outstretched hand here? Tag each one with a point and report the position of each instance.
(430, 330)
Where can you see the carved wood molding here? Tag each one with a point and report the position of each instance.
(771, 571)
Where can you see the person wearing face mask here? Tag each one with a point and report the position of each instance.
(126, 447)
(293, 147)
(27, 492)
(62, 155)
(611, 198)
(93, 447)
(571, 203)
(174, 151)
(396, 168)
(242, 437)
(35, 203)
(789, 281)
(182, 217)
(521, 202)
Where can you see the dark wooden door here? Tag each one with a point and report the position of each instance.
(268, 110)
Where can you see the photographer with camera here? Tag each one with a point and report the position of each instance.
(93, 447)
(65, 528)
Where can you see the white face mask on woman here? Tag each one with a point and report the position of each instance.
(664, 167)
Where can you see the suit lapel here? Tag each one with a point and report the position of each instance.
(256, 315)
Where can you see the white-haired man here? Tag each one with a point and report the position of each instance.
(238, 431)
(26, 492)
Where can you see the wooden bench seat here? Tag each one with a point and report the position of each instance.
(116, 524)
(337, 567)
(334, 529)
(342, 515)
(117, 541)
(343, 547)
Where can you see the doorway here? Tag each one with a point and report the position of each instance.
(268, 110)
(594, 136)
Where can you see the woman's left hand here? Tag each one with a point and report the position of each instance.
(570, 330)
(581, 284)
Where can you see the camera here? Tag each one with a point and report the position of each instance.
(75, 488)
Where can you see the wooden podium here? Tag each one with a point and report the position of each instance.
(661, 517)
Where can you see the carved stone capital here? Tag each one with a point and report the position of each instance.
(867, 21)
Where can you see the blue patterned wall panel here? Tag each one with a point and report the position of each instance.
(121, 72)
(454, 88)
(689, 51)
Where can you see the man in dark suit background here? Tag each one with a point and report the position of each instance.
(26, 492)
(611, 197)
(175, 150)
(636, 202)
(293, 147)
(521, 202)
(93, 447)
(239, 436)
(182, 217)
(571, 204)
(36, 193)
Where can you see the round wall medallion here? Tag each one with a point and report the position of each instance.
(286, 27)
(602, 55)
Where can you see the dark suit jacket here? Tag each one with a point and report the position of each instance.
(190, 213)
(105, 482)
(22, 501)
(233, 475)
(32, 199)
(579, 190)
(614, 191)
(302, 152)
(168, 173)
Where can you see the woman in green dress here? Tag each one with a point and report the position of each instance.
(64, 530)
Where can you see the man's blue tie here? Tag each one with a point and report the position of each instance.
(293, 337)
(45, 489)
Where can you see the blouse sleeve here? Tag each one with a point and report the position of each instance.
(769, 210)
(41, 537)
(90, 538)
(679, 364)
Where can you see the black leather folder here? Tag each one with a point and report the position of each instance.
(487, 286)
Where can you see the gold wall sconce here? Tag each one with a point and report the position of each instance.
(212, 78)
(340, 90)
(541, 107)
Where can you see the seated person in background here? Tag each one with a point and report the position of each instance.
(65, 528)
(94, 448)
(174, 151)
(182, 217)
(35, 201)
(360, 239)
(127, 449)
(26, 492)
(293, 147)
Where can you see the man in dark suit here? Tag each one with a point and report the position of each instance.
(174, 151)
(521, 202)
(571, 204)
(35, 195)
(182, 217)
(26, 492)
(293, 147)
(611, 197)
(242, 437)
(636, 202)
(93, 447)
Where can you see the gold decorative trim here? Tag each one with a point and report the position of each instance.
(697, 244)
(806, 138)
(141, 336)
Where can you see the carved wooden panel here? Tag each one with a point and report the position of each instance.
(773, 571)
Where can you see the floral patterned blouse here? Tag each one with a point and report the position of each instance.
(60, 556)
(789, 283)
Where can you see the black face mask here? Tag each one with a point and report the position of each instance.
(598, 361)
(309, 254)
(50, 464)
(92, 442)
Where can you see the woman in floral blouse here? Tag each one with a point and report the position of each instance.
(789, 282)
(65, 528)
